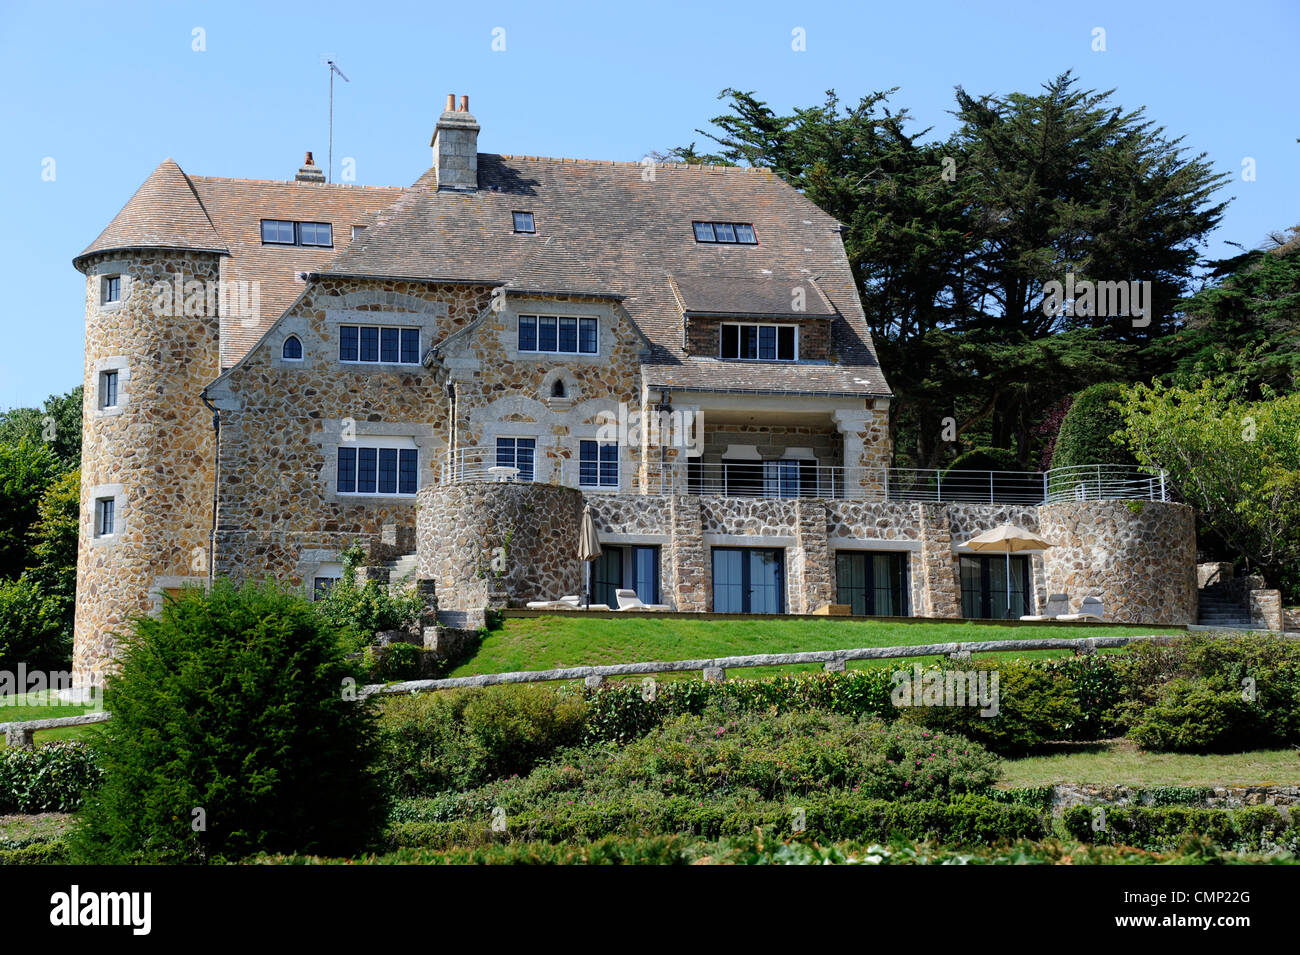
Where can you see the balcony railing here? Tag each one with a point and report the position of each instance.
(808, 479)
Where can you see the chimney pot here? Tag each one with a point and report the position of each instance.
(308, 160)
(464, 104)
(451, 103)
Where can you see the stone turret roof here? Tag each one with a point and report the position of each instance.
(609, 228)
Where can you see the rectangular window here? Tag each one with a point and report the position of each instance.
(758, 342)
(727, 233)
(367, 466)
(528, 333)
(388, 345)
(558, 334)
(588, 336)
(277, 232)
(321, 586)
(108, 389)
(546, 334)
(410, 346)
(598, 464)
(517, 453)
(645, 574)
(873, 584)
(524, 222)
(348, 343)
(357, 230)
(347, 473)
(748, 580)
(984, 587)
(316, 233)
(380, 344)
(112, 289)
(105, 516)
(387, 470)
(408, 471)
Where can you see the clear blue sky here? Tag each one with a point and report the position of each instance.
(110, 89)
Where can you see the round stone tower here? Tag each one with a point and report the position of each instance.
(147, 462)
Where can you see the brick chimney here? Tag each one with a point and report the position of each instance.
(455, 147)
(309, 172)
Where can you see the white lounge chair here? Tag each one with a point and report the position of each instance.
(1090, 609)
(1057, 604)
(628, 600)
(551, 605)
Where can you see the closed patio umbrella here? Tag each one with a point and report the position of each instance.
(588, 545)
(1007, 539)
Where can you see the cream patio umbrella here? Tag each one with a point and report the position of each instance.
(1007, 539)
(588, 545)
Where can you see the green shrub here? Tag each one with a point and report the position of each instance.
(231, 733)
(463, 738)
(1191, 716)
(1085, 435)
(54, 852)
(1036, 706)
(393, 663)
(55, 777)
(358, 613)
(1169, 827)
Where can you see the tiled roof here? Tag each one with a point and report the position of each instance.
(772, 296)
(237, 208)
(175, 211)
(163, 213)
(602, 227)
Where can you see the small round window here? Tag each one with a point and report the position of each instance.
(292, 350)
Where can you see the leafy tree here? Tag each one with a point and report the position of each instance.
(358, 613)
(232, 733)
(58, 424)
(1086, 435)
(1237, 461)
(31, 627)
(27, 468)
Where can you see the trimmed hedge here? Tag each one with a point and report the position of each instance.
(841, 816)
(1085, 432)
(54, 777)
(1164, 828)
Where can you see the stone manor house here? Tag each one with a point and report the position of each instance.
(449, 372)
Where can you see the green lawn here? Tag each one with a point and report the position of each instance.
(1120, 763)
(44, 706)
(566, 640)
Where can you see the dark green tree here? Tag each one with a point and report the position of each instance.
(58, 424)
(27, 468)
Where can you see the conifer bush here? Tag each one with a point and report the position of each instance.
(234, 731)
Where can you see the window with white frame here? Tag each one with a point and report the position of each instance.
(112, 290)
(108, 389)
(598, 464)
(559, 334)
(105, 516)
(378, 467)
(325, 577)
(518, 453)
(390, 345)
(759, 342)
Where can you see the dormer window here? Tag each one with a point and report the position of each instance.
(725, 233)
(288, 232)
(759, 342)
(524, 223)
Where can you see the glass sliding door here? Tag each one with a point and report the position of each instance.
(607, 576)
(626, 568)
(748, 580)
(873, 583)
(984, 587)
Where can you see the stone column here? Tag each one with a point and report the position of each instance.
(689, 554)
(813, 580)
(940, 587)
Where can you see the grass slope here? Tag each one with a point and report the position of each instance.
(1120, 763)
(566, 640)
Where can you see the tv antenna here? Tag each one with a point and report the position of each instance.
(328, 60)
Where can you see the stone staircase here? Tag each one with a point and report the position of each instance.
(401, 567)
(1220, 608)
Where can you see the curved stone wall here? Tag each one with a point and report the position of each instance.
(1139, 557)
(460, 528)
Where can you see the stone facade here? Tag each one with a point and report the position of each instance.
(1139, 557)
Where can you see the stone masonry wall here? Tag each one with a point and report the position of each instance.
(1139, 557)
(518, 538)
(151, 453)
